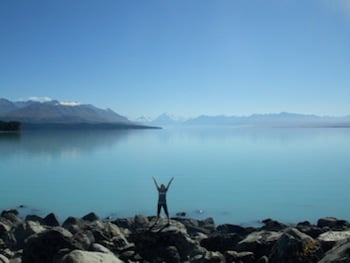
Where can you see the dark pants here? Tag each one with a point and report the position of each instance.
(165, 207)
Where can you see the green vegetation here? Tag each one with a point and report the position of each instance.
(10, 126)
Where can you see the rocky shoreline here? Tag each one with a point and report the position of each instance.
(89, 239)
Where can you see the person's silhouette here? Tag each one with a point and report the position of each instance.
(162, 198)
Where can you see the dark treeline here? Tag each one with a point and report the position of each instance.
(10, 126)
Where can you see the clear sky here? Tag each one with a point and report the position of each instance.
(186, 57)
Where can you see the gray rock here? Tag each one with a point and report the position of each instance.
(5, 227)
(181, 214)
(43, 247)
(83, 239)
(333, 223)
(295, 247)
(340, 253)
(152, 243)
(330, 238)
(221, 242)
(6, 235)
(4, 213)
(207, 224)
(25, 230)
(12, 216)
(194, 226)
(110, 236)
(260, 242)
(209, 257)
(16, 260)
(4, 259)
(243, 257)
(188, 222)
(99, 248)
(34, 218)
(90, 217)
(273, 225)
(140, 221)
(124, 222)
(232, 229)
(51, 220)
(79, 256)
(7, 253)
(74, 224)
(310, 230)
(171, 254)
(263, 259)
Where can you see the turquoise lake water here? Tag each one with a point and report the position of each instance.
(235, 175)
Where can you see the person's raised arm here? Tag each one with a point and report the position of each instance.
(155, 182)
(169, 183)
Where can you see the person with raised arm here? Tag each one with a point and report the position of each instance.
(162, 190)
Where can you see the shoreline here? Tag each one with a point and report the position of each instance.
(196, 214)
(142, 239)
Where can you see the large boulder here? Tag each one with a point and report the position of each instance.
(340, 253)
(79, 256)
(84, 239)
(273, 225)
(133, 223)
(195, 227)
(333, 223)
(25, 230)
(4, 259)
(34, 218)
(233, 229)
(260, 242)
(51, 220)
(158, 242)
(311, 230)
(126, 223)
(330, 238)
(140, 221)
(74, 224)
(99, 248)
(91, 217)
(221, 242)
(208, 224)
(295, 247)
(110, 236)
(43, 247)
(6, 235)
(12, 216)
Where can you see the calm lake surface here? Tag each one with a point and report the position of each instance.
(235, 175)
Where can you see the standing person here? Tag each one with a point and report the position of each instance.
(162, 198)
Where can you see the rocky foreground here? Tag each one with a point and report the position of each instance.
(89, 240)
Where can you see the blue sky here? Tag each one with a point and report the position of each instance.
(186, 57)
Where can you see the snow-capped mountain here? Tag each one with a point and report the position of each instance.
(56, 112)
(163, 119)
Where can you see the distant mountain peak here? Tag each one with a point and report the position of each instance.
(167, 118)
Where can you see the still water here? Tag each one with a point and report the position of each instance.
(235, 175)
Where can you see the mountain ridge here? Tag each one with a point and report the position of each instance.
(282, 119)
(55, 114)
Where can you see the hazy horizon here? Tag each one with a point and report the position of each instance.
(187, 58)
(175, 116)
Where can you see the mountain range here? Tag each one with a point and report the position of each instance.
(53, 113)
(283, 119)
